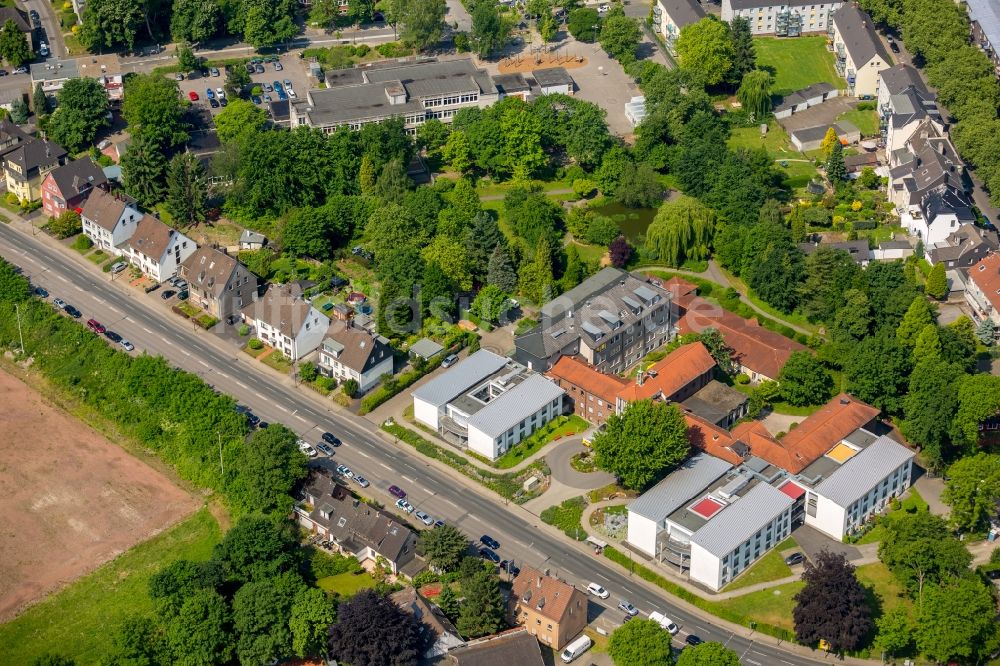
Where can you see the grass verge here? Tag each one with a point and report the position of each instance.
(254, 352)
(566, 517)
(770, 567)
(278, 361)
(563, 426)
(78, 621)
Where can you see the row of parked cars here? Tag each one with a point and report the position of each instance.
(94, 325)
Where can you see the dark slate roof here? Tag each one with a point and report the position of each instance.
(209, 270)
(858, 32)
(753, 4)
(913, 104)
(355, 348)
(858, 249)
(516, 647)
(899, 77)
(967, 238)
(683, 12)
(280, 110)
(511, 83)
(11, 136)
(19, 18)
(552, 76)
(947, 200)
(78, 176)
(34, 154)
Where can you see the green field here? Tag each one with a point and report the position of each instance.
(866, 121)
(797, 62)
(798, 170)
(773, 605)
(78, 621)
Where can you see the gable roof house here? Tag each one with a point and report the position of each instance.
(928, 160)
(156, 249)
(550, 609)
(894, 80)
(439, 634)
(964, 247)
(286, 321)
(982, 291)
(327, 508)
(218, 283)
(20, 19)
(509, 648)
(352, 353)
(26, 165)
(860, 53)
(65, 187)
(109, 219)
(12, 136)
(901, 109)
(941, 212)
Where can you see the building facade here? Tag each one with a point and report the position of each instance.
(218, 283)
(594, 395)
(286, 321)
(26, 166)
(784, 18)
(670, 16)
(982, 292)
(66, 187)
(351, 353)
(109, 219)
(156, 249)
(860, 53)
(984, 19)
(550, 609)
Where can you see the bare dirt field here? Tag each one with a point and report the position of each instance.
(70, 500)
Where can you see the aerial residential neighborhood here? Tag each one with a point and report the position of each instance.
(480, 332)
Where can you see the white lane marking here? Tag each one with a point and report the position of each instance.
(185, 352)
(242, 385)
(387, 467)
(60, 277)
(449, 502)
(362, 453)
(204, 364)
(627, 590)
(147, 330)
(751, 661)
(406, 478)
(787, 662)
(599, 575)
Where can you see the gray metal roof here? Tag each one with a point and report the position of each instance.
(426, 348)
(857, 30)
(552, 76)
(987, 14)
(595, 283)
(742, 519)
(460, 378)
(864, 471)
(510, 408)
(689, 479)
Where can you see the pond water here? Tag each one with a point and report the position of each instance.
(632, 221)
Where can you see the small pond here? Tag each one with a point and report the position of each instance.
(632, 221)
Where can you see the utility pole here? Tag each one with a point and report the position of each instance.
(17, 309)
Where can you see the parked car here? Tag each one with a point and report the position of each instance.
(403, 505)
(43, 50)
(693, 641)
(59, 303)
(126, 345)
(214, 71)
(267, 99)
(178, 77)
(119, 266)
(41, 293)
(893, 45)
(795, 558)
(510, 567)
(193, 96)
(396, 491)
(628, 608)
(344, 470)
(3, 72)
(282, 96)
(305, 448)
(95, 326)
(488, 554)
(424, 518)
(258, 68)
(111, 335)
(167, 294)
(223, 102)
(256, 99)
(489, 542)
(330, 439)
(36, 20)
(278, 87)
(664, 622)
(72, 312)
(325, 448)
(361, 481)
(214, 103)
(253, 419)
(438, 523)
(449, 361)
(277, 66)
(209, 93)
(220, 93)
(598, 591)
(20, 70)
(267, 87)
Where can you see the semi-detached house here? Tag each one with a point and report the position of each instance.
(109, 219)
(348, 352)
(286, 321)
(156, 249)
(218, 283)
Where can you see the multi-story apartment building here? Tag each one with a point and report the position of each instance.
(784, 18)
(610, 320)
(218, 282)
(860, 53)
(669, 16)
(552, 610)
(984, 17)
(415, 92)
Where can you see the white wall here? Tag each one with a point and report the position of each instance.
(482, 443)
(311, 333)
(371, 378)
(171, 261)
(706, 568)
(642, 533)
(936, 231)
(425, 413)
(830, 518)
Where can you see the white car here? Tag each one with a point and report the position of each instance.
(598, 591)
(664, 622)
(403, 505)
(307, 449)
(220, 92)
(128, 346)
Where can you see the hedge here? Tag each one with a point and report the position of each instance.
(387, 390)
(709, 606)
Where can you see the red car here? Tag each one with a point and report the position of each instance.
(95, 326)
(193, 96)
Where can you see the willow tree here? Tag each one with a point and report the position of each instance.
(755, 93)
(681, 230)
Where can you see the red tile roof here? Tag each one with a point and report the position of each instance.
(675, 371)
(532, 586)
(578, 373)
(756, 348)
(762, 444)
(710, 438)
(986, 275)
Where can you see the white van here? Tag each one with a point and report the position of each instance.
(664, 622)
(576, 648)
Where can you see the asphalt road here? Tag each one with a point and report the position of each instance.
(50, 25)
(146, 321)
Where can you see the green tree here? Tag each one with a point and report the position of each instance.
(978, 400)
(187, 189)
(869, 179)
(920, 550)
(237, 81)
(640, 643)
(144, 171)
(835, 169)
(957, 621)
(137, 641)
(681, 230)
(193, 21)
(111, 23)
(82, 112)
(501, 272)
(67, 224)
(19, 111)
(917, 317)
(458, 152)
(937, 282)
(351, 388)
(643, 443)
(755, 93)
(310, 620)
(447, 601)
(706, 51)
(744, 52)
(489, 30)
(536, 280)
(929, 407)
(186, 59)
(927, 345)
(894, 633)
(830, 139)
(490, 304)
(267, 471)
(392, 183)
(153, 109)
(361, 11)
(973, 491)
(422, 21)
(258, 547)
(804, 380)
(877, 370)
(481, 238)
(50, 659)
(444, 547)
(708, 654)
(833, 605)
(267, 22)
(240, 121)
(482, 609)
(13, 46)
(986, 332)
(521, 153)
(432, 136)
(14, 287)
(39, 102)
(450, 256)
(584, 23)
(261, 612)
(367, 176)
(199, 633)
(830, 274)
(619, 36)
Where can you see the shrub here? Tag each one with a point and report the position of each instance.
(742, 379)
(66, 225)
(351, 387)
(392, 50)
(255, 344)
(362, 50)
(308, 371)
(83, 243)
(462, 44)
(12, 199)
(326, 383)
(244, 330)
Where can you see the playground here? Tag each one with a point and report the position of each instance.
(541, 58)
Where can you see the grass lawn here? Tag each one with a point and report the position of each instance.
(797, 62)
(881, 233)
(78, 621)
(98, 256)
(770, 567)
(278, 361)
(188, 309)
(798, 170)
(346, 584)
(866, 121)
(590, 252)
(566, 517)
(254, 352)
(773, 606)
(561, 427)
(883, 585)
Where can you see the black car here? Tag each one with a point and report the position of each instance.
(72, 312)
(330, 439)
(510, 567)
(253, 419)
(488, 554)
(795, 558)
(489, 542)
(41, 293)
(894, 46)
(263, 424)
(214, 103)
(167, 294)
(693, 640)
(114, 337)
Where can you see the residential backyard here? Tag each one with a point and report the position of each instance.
(346, 584)
(798, 169)
(797, 62)
(865, 120)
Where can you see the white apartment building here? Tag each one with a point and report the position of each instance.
(286, 321)
(859, 50)
(669, 16)
(784, 18)
(156, 249)
(109, 219)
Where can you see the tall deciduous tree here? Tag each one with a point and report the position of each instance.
(833, 605)
(957, 621)
(755, 93)
(706, 51)
(973, 490)
(240, 121)
(643, 443)
(111, 23)
(267, 22)
(978, 400)
(194, 20)
(310, 620)
(489, 30)
(81, 113)
(619, 252)
(371, 630)
(620, 36)
(920, 550)
(681, 230)
(186, 189)
(258, 547)
(267, 471)
(640, 643)
(918, 315)
(261, 610)
(708, 654)
(930, 406)
(144, 170)
(877, 371)
(13, 46)
(199, 632)
(536, 280)
(804, 380)
(422, 21)
(153, 109)
(584, 23)
(894, 632)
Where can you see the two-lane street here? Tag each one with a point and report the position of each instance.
(147, 322)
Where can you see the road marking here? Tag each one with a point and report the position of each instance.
(787, 662)
(599, 575)
(242, 385)
(60, 277)
(185, 352)
(449, 502)
(147, 330)
(384, 465)
(751, 661)
(362, 453)
(204, 364)
(406, 478)
(627, 590)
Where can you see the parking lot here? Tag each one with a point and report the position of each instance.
(292, 68)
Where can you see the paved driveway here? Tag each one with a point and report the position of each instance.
(813, 542)
(558, 461)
